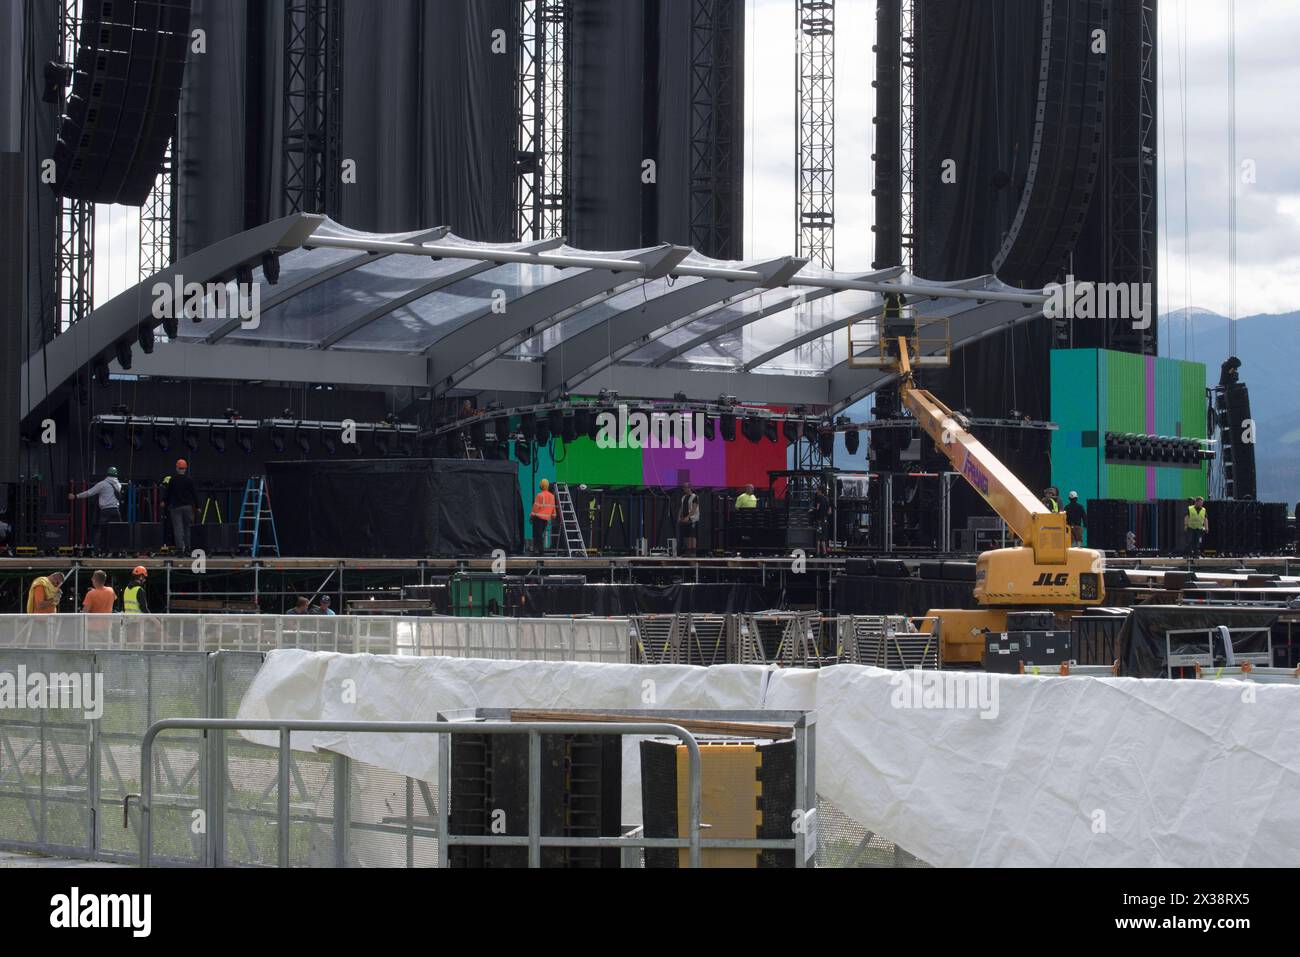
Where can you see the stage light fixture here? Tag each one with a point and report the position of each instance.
(752, 428)
(107, 435)
(171, 327)
(217, 438)
(523, 452)
(145, 336)
(384, 440)
(826, 440)
(135, 434)
(791, 430)
(851, 441)
(244, 276)
(244, 439)
(278, 438)
(326, 439)
(528, 426)
(162, 436)
(101, 372)
(727, 425)
(190, 437)
(710, 428)
(770, 431)
(271, 268)
(122, 348)
(303, 440)
(569, 429)
(543, 431)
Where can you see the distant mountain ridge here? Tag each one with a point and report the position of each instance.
(1268, 346)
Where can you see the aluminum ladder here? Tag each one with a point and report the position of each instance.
(573, 541)
(255, 517)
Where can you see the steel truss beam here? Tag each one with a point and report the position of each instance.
(313, 62)
(541, 97)
(712, 110)
(815, 153)
(74, 250)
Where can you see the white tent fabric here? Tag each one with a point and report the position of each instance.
(1032, 771)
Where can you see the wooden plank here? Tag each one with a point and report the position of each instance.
(739, 729)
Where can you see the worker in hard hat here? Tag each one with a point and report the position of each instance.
(1076, 518)
(181, 499)
(134, 598)
(107, 493)
(542, 515)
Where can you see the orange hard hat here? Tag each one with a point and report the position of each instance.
(182, 464)
(140, 571)
(545, 484)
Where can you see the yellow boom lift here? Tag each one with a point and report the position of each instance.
(1043, 571)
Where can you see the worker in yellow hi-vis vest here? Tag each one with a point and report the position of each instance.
(134, 600)
(1197, 524)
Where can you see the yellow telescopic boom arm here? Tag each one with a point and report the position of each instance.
(1037, 526)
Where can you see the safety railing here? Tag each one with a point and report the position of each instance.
(534, 840)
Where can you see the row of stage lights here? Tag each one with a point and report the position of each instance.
(387, 438)
(1155, 449)
(146, 337)
(568, 421)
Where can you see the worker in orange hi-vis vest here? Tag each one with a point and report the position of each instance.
(543, 513)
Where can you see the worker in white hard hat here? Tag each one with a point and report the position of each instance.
(1076, 518)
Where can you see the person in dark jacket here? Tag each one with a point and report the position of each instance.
(1076, 518)
(182, 498)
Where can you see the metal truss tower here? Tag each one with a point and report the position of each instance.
(541, 98)
(158, 220)
(313, 72)
(1130, 165)
(74, 252)
(815, 155)
(906, 131)
(713, 104)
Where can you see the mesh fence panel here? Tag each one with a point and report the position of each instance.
(63, 778)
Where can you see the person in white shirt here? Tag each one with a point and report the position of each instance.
(107, 493)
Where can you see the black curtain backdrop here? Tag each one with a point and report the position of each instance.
(402, 508)
(975, 105)
(427, 115)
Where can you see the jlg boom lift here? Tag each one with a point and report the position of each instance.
(1044, 570)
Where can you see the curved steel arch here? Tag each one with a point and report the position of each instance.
(49, 372)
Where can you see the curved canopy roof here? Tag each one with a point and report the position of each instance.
(427, 308)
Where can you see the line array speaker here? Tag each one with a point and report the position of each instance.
(126, 87)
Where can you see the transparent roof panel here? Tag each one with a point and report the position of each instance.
(629, 299)
(328, 306)
(737, 312)
(734, 349)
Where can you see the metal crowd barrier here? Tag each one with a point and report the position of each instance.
(534, 840)
(542, 639)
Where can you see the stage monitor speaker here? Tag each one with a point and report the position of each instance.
(121, 113)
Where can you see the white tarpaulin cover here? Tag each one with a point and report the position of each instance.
(987, 770)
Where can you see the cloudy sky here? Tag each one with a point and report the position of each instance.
(1193, 59)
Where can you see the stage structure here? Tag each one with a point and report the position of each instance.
(417, 310)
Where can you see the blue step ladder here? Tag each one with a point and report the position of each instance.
(256, 523)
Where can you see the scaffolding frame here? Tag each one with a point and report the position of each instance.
(158, 220)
